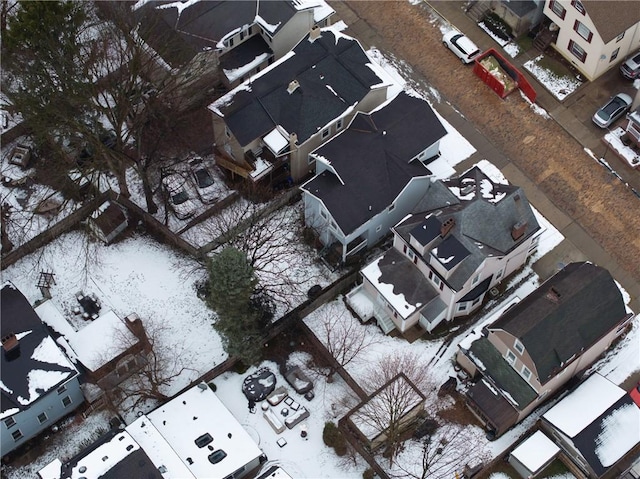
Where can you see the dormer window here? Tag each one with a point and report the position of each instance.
(526, 373)
(577, 4)
(510, 357)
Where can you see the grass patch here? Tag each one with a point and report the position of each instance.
(556, 468)
(525, 43)
(555, 67)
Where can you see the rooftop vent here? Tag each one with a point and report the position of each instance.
(11, 346)
(465, 190)
(518, 230)
(293, 86)
(446, 227)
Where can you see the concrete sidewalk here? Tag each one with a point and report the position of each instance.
(577, 245)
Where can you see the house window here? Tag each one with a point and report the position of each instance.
(230, 42)
(583, 31)
(614, 55)
(499, 274)
(378, 228)
(392, 207)
(339, 124)
(250, 30)
(476, 301)
(476, 279)
(323, 214)
(577, 4)
(518, 346)
(526, 373)
(325, 133)
(16, 435)
(242, 35)
(511, 358)
(437, 281)
(577, 51)
(66, 401)
(557, 9)
(42, 417)
(404, 249)
(227, 133)
(619, 37)
(62, 389)
(9, 422)
(462, 306)
(411, 254)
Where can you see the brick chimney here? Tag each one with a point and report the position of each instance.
(553, 295)
(10, 346)
(314, 34)
(134, 323)
(518, 229)
(446, 227)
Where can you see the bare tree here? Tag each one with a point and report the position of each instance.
(343, 336)
(443, 454)
(271, 242)
(163, 364)
(387, 412)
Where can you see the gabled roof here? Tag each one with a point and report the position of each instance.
(567, 314)
(372, 157)
(193, 26)
(484, 213)
(333, 72)
(612, 17)
(39, 365)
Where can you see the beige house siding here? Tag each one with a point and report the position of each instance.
(599, 54)
(503, 342)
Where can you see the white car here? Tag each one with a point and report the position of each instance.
(179, 200)
(461, 46)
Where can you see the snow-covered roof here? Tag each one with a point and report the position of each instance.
(584, 405)
(535, 452)
(102, 459)
(620, 432)
(101, 340)
(276, 140)
(197, 412)
(35, 365)
(398, 302)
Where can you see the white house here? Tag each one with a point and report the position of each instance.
(594, 36)
(372, 174)
(465, 235)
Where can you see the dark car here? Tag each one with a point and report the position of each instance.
(631, 67)
(612, 110)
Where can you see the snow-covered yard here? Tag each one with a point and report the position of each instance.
(559, 86)
(613, 139)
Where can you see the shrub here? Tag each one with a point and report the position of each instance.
(498, 26)
(332, 437)
(368, 473)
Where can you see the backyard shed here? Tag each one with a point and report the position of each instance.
(107, 222)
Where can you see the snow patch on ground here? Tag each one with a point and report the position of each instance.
(559, 87)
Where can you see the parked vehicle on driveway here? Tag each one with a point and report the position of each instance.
(203, 181)
(630, 69)
(179, 200)
(612, 110)
(461, 46)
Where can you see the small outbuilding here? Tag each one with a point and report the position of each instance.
(533, 455)
(107, 222)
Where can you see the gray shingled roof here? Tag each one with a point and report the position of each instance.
(203, 24)
(554, 325)
(484, 217)
(612, 17)
(372, 159)
(334, 74)
(19, 317)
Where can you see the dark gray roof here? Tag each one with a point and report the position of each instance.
(567, 314)
(177, 37)
(398, 271)
(500, 413)
(587, 440)
(333, 75)
(372, 159)
(520, 7)
(244, 53)
(502, 374)
(484, 216)
(19, 317)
